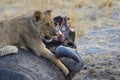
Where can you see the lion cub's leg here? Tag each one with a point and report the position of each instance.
(9, 49)
(47, 54)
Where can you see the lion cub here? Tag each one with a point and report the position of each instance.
(26, 31)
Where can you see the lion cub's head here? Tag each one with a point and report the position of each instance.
(44, 24)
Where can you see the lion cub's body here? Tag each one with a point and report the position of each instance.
(11, 31)
(26, 31)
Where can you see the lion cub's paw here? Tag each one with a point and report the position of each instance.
(66, 71)
(8, 50)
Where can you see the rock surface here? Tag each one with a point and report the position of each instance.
(36, 67)
(27, 66)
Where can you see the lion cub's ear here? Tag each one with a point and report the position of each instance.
(48, 12)
(38, 16)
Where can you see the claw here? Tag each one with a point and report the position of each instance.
(62, 51)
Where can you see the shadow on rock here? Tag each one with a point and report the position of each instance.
(11, 75)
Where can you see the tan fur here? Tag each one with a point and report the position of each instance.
(26, 31)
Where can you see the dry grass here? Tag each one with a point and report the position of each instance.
(104, 3)
(79, 11)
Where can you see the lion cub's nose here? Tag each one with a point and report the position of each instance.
(54, 33)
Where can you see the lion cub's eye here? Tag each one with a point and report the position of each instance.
(52, 22)
(47, 24)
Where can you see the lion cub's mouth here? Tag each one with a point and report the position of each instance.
(48, 39)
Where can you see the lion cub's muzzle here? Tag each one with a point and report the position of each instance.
(49, 39)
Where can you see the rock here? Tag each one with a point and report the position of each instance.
(11, 75)
(28, 66)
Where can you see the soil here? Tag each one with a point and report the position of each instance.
(101, 51)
